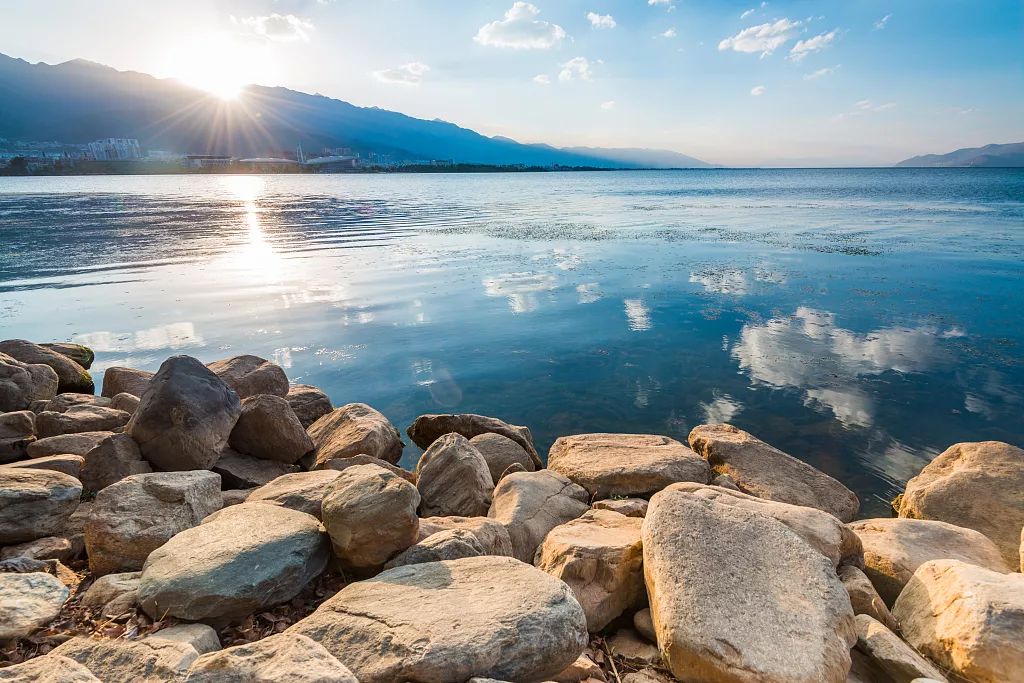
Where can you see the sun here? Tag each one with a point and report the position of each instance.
(214, 64)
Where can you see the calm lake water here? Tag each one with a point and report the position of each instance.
(862, 320)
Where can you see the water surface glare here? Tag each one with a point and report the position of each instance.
(862, 320)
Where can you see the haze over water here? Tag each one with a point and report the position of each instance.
(860, 319)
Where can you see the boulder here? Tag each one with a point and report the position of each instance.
(600, 557)
(70, 465)
(113, 594)
(47, 548)
(308, 403)
(864, 598)
(450, 621)
(512, 469)
(766, 472)
(492, 534)
(75, 444)
(35, 503)
(428, 428)
(200, 636)
(500, 453)
(530, 504)
(28, 602)
(896, 659)
(975, 485)
(234, 496)
(61, 402)
(451, 544)
(302, 491)
(280, 658)
(644, 624)
(240, 471)
(628, 645)
(966, 619)
(370, 515)
(251, 375)
(82, 355)
(17, 431)
(142, 512)
(22, 384)
(583, 670)
(117, 380)
(631, 507)
(110, 461)
(129, 403)
(736, 595)
(340, 464)
(138, 661)
(185, 416)
(354, 429)
(80, 418)
(453, 479)
(70, 375)
(240, 560)
(49, 669)
(613, 465)
(819, 529)
(269, 429)
(894, 549)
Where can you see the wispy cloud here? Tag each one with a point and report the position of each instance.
(542, 79)
(752, 10)
(758, 90)
(667, 4)
(815, 44)
(406, 74)
(521, 30)
(281, 28)
(577, 67)
(600, 20)
(862, 107)
(764, 38)
(610, 104)
(670, 33)
(821, 73)
(881, 23)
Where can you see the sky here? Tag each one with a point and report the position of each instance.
(843, 82)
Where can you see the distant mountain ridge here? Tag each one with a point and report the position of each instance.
(988, 156)
(80, 101)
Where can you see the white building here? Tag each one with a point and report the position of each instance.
(115, 149)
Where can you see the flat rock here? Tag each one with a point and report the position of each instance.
(111, 460)
(638, 465)
(766, 472)
(975, 485)
(269, 429)
(966, 619)
(370, 515)
(894, 549)
(251, 375)
(61, 402)
(35, 503)
(631, 507)
(302, 491)
(738, 596)
(119, 380)
(17, 431)
(240, 560)
(48, 548)
(75, 444)
(185, 416)
(627, 644)
(354, 429)
(890, 654)
(200, 636)
(70, 465)
(340, 464)
(600, 557)
(451, 544)
(450, 621)
(308, 403)
(48, 669)
(70, 375)
(138, 661)
(140, 513)
(500, 453)
(80, 418)
(864, 598)
(113, 594)
(281, 658)
(453, 479)
(492, 534)
(28, 602)
(428, 428)
(530, 504)
(240, 471)
(22, 384)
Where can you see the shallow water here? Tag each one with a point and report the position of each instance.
(862, 320)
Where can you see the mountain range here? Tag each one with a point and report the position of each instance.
(988, 156)
(81, 101)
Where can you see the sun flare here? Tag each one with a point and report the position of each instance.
(215, 64)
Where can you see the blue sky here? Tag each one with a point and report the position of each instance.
(738, 83)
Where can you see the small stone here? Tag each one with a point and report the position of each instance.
(890, 654)
(80, 418)
(453, 479)
(309, 403)
(628, 645)
(114, 594)
(426, 429)
(451, 544)
(138, 661)
(28, 602)
(644, 625)
(251, 375)
(17, 431)
(284, 657)
(240, 471)
(269, 429)
(864, 598)
(75, 444)
(302, 491)
(354, 429)
(500, 453)
(530, 504)
(110, 461)
(35, 503)
(200, 636)
(582, 670)
(118, 380)
(70, 465)
(631, 507)
(71, 377)
(129, 403)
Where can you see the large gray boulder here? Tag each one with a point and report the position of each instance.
(737, 596)
(140, 513)
(80, 418)
(185, 417)
(453, 479)
(302, 491)
(766, 472)
(111, 460)
(530, 504)
(308, 403)
(450, 621)
(70, 375)
(428, 428)
(35, 503)
(501, 452)
(75, 444)
(354, 429)
(240, 560)
(280, 658)
(28, 602)
(251, 375)
(21, 384)
(119, 380)
(630, 465)
(370, 515)
(139, 661)
(269, 429)
(17, 431)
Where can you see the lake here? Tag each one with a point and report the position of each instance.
(860, 319)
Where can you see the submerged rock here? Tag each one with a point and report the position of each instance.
(71, 377)
(530, 504)
(428, 428)
(251, 375)
(453, 479)
(354, 429)
(35, 503)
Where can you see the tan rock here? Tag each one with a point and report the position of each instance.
(308, 403)
(71, 377)
(235, 496)
(453, 479)
(269, 429)
(113, 594)
(341, 464)
(48, 669)
(766, 472)
(716, 575)
(647, 676)
(354, 429)
(627, 644)
(21, 384)
(492, 534)
(80, 418)
(530, 504)
(280, 658)
(644, 625)
(75, 444)
(890, 654)
(118, 380)
(975, 485)
(966, 619)
(251, 375)
(631, 507)
(451, 544)
(70, 465)
(17, 431)
(428, 428)
(47, 548)
(500, 453)
(302, 491)
(138, 661)
(200, 636)
(583, 670)
(600, 557)
(894, 549)
(35, 503)
(864, 598)
(129, 403)
(110, 461)
(450, 621)
(240, 471)
(61, 402)
(28, 602)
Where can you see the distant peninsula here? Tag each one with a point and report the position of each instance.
(990, 156)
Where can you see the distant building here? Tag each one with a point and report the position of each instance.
(333, 164)
(269, 164)
(115, 149)
(207, 160)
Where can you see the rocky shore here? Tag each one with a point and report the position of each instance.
(216, 523)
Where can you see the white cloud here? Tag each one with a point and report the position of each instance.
(601, 20)
(610, 104)
(521, 30)
(577, 67)
(670, 33)
(543, 79)
(406, 74)
(758, 90)
(521, 289)
(863, 107)
(881, 23)
(815, 44)
(721, 410)
(663, 3)
(747, 13)
(821, 73)
(764, 38)
(281, 28)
